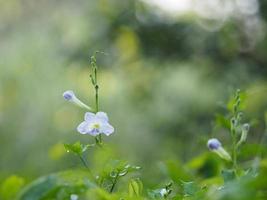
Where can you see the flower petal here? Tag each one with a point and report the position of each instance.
(83, 127)
(89, 116)
(107, 129)
(102, 116)
(94, 132)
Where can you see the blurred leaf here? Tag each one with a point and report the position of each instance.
(57, 186)
(176, 171)
(100, 194)
(237, 189)
(190, 188)
(223, 121)
(214, 181)
(249, 151)
(155, 194)
(259, 182)
(10, 187)
(228, 175)
(206, 165)
(135, 187)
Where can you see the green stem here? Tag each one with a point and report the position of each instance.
(96, 90)
(234, 148)
(85, 164)
(114, 182)
(98, 139)
(234, 156)
(96, 99)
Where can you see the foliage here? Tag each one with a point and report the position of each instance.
(164, 82)
(187, 182)
(10, 187)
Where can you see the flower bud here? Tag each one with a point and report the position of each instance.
(213, 144)
(70, 96)
(246, 127)
(223, 154)
(244, 134)
(216, 146)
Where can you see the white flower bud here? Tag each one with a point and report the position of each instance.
(70, 96)
(215, 146)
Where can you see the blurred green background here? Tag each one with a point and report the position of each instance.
(171, 67)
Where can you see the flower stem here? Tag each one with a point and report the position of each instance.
(85, 164)
(94, 65)
(234, 150)
(114, 183)
(96, 89)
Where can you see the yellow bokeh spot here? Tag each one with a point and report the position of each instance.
(127, 43)
(56, 151)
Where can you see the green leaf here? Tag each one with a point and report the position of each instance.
(135, 187)
(190, 188)
(57, 186)
(222, 121)
(205, 165)
(10, 187)
(76, 148)
(228, 175)
(127, 168)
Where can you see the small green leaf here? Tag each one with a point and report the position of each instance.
(135, 187)
(76, 148)
(127, 169)
(132, 168)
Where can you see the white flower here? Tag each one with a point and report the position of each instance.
(95, 124)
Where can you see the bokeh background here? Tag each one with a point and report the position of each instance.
(170, 68)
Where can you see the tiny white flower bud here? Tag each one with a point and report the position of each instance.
(70, 96)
